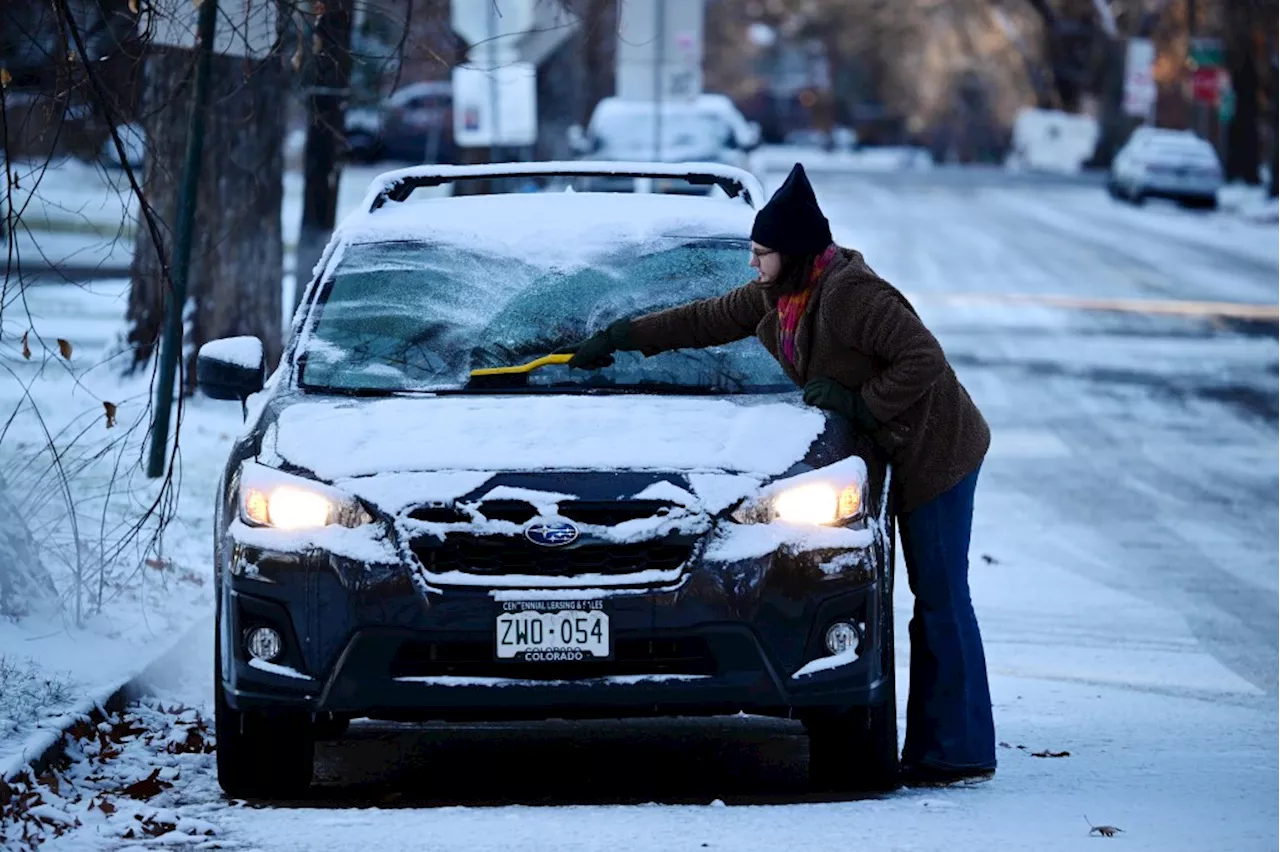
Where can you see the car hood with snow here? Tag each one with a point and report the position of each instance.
(401, 451)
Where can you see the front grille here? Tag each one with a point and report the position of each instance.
(439, 515)
(678, 656)
(515, 511)
(604, 513)
(612, 513)
(498, 555)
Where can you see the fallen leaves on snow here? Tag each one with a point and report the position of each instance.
(1105, 830)
(148, 787)
(1047, 753)
(121, 777)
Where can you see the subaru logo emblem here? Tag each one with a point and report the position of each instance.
(556, 534)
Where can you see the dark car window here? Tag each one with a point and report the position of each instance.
(417, 316)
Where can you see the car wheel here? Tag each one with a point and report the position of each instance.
(261, 756)
(857, 750)
(330, 726)
(1198, 202)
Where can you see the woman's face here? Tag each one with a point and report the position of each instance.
(767, 262)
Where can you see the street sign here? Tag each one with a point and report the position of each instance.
(1139, 79)
(245, 27)
(497, 106)
(1205, 53)
(1227, 105)
(659, 54)
(1206, 85)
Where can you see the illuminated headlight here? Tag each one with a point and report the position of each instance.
(271, 498)
(813, 503)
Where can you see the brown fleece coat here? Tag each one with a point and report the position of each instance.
(860, 331)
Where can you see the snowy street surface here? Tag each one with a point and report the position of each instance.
(1123, 568)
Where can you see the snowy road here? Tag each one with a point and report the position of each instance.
(1124, 572)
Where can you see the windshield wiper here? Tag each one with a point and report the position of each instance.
(361, 392)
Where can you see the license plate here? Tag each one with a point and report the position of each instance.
(537, 632)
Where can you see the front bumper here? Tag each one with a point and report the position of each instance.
(370, 641)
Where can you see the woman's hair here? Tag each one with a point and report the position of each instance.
(794, 275)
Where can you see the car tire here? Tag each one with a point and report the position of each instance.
(330, 726)
(261, 756)
(857, 750)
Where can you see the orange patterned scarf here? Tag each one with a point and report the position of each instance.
(791, 306)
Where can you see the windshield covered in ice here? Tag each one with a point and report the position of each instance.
(416, 316)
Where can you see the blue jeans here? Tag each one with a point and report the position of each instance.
(949, 721)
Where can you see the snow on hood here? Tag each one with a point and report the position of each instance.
(338, 440)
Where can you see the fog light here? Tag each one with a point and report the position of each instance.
(841, 636)
(264, 643)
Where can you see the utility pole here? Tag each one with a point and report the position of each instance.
(326, 136)
(171, 343)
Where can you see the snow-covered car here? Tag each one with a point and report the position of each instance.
(708, 128)
(1173, 164)
(401, 537)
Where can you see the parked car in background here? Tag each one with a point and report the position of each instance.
(1160, 163)
(706, 129)
(414, 124)
(839, 138)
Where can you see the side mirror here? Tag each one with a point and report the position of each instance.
(230, 368)
(578, 139)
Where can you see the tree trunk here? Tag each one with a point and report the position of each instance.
(1243, 154)
(599, 36)
(322, 166)
(1113, 124)
(1274, 100)
(234, 282)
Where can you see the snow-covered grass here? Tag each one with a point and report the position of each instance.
(27, 690)
(128, 556)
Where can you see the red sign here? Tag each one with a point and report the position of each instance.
(1206, 85)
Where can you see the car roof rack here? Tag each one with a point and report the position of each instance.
(400, 184)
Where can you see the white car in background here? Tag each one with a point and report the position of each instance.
(707, 128)
(1160, 163)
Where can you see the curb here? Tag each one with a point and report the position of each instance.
(47, 745)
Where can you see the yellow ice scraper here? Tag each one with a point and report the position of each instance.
(523, 369)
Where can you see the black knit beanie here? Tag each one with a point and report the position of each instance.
(791, 222)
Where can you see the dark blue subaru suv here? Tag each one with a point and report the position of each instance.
(409, 529)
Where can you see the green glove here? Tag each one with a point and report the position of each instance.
(597, 350)
(830, 395)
